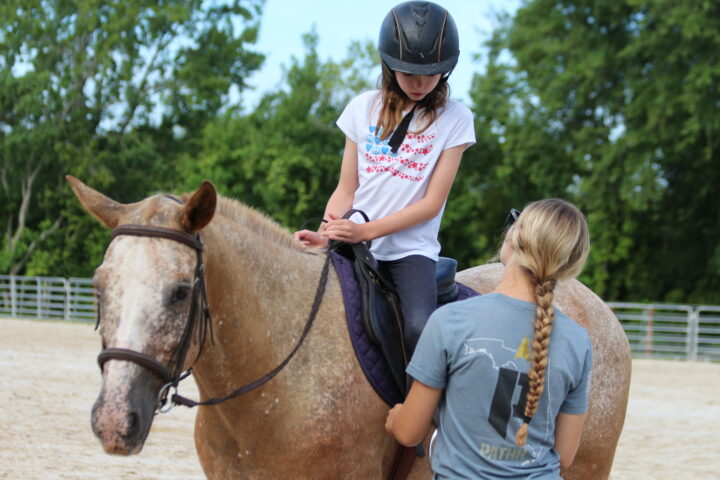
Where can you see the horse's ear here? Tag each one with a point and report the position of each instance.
(106, 210)
(199, 210)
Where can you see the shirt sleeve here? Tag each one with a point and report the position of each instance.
(354, 113)
(429, 364)
(460, 125)
(346, 122)
(576, 401)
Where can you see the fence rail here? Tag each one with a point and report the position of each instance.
(47, 298)
(670, 330)
(654, 330)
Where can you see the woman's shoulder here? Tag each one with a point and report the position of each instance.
(455, 113)
(568, 328)
(363, 103)
(488, 304)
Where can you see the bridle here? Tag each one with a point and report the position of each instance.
(198, 317)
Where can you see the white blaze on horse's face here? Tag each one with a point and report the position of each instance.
(145, 286)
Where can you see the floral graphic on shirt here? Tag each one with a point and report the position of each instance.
(405, 163)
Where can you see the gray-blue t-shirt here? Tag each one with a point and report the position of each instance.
(478, 350)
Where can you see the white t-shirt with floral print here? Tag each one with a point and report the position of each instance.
(389, 182)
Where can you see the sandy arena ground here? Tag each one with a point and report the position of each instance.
(49, 381)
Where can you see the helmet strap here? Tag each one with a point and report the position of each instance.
(446, 75)
(399, 134)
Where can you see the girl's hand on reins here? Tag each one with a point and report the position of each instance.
(311, 239)
(345, 230)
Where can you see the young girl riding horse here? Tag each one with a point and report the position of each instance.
(403, 148)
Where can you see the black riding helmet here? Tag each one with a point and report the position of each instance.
(419, 38)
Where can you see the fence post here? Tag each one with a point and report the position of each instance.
(13, 297)
(650, 312)
(693, 338)
(38, 292)
(66, 284)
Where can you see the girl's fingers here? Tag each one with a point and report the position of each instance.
(338, 236)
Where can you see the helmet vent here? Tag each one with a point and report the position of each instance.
(399, 34)
(442, 36)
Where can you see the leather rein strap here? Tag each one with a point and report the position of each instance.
(180, 400)
(173, 375)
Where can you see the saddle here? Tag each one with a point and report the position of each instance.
(375, 321)
(382, 318)
(375, 325)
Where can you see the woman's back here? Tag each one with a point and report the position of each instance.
(479, 351)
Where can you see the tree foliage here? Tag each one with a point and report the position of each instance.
(613, 104)
(98, 88)
(284, 158)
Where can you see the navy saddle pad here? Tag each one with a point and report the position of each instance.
(369, 355)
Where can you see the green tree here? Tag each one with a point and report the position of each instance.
(284, 158)
(613, 104)
(101, 89)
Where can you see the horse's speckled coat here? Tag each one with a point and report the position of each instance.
(319, 418)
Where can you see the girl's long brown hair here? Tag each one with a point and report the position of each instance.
(394, 101)
(551, 241)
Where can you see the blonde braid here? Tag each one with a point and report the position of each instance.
(550, 241)
(544, 316)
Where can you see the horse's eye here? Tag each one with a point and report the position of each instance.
(180, 294)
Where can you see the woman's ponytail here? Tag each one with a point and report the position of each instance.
(551, 241)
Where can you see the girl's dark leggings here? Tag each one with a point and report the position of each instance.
(414, 280)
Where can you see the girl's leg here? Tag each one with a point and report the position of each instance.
(414, 281)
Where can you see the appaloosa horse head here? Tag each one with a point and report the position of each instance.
(146, 286)
(319, 417)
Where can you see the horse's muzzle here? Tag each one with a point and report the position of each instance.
(123, 413)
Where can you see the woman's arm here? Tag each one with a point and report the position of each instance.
(568, 429)
(409, 422)
(421, 211)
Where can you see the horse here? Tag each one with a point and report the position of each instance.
(319, 417)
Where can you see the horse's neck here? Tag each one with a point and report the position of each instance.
(259, 267)
(260, 291)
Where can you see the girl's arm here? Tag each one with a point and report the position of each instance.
(568, 429)
(421, 211)
(342, 198)
(409, 422)
(340, 201)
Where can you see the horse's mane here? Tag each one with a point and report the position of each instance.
(257, 222)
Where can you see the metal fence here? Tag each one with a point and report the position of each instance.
(47, 298)
(671, 331)
(654, 330)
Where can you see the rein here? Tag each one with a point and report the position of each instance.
(173, 375)
(180, 400)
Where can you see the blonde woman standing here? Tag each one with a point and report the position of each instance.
(509, 373)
